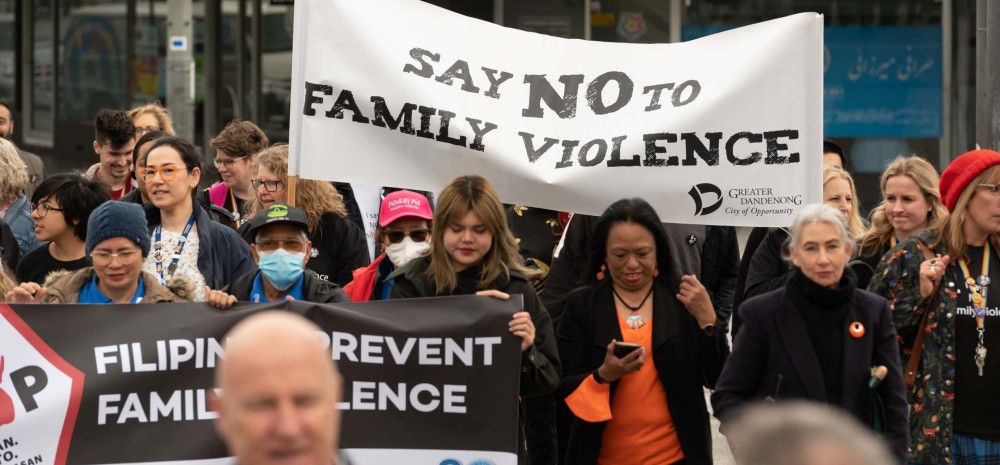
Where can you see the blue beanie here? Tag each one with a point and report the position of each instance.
(118, 219)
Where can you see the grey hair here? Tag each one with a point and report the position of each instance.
(256, 238)
(819, 213)
(803, 433)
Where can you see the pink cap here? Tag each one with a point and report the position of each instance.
(401, 204)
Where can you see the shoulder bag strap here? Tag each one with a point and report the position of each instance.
(910, 375)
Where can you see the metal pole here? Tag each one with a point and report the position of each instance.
(180, 66)
(256, 57)
(987, 76)
(241, 52)
(676, 17)
(130, 14)
(947, 84)
(213, 25)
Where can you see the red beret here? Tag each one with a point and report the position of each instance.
(962, 171)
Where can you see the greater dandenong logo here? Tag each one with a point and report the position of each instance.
(704, 202)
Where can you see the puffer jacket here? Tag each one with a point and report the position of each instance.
(63, 287)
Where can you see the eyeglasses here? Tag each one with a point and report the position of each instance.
(417, 235)
(142, 130)
(43, 209)
(227, 162)
(992, 188)
(270, 186)
(291, 245)
(167, 172)
(103, 257)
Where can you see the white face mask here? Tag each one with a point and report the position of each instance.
(405, 250)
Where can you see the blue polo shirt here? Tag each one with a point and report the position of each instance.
(257, 292)
(91, 294)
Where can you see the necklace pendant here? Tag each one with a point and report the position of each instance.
(635, 321)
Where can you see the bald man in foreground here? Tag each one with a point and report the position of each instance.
(279, 393)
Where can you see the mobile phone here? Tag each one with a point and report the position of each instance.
(624, 348)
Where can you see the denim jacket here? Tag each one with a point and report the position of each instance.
(18, 217)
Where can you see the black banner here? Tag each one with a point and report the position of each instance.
(424, 379)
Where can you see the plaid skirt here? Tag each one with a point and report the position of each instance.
(966, 450)
(974, 451)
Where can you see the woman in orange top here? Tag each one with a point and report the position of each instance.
(646, 407)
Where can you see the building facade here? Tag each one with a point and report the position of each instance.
(899, 77)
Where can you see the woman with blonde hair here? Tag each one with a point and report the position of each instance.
(15, 209)
(474, 252)
(840, 193)
(942, 284)
(769, 267)
(151, 117)
(338, 246)
(911, 203)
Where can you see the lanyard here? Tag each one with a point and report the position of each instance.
(236, 209)
(158, 255)
(978, 289)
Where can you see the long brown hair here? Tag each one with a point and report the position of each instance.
(952, 238)
(466, 194)
(925, 177)
(316, 198)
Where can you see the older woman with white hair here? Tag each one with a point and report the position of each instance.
(819, 337)
(15, 209)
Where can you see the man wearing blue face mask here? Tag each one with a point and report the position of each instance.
(281, 248)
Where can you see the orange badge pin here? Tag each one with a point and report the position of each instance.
(857, 330)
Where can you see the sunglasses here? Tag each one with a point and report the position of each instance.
(396, 236)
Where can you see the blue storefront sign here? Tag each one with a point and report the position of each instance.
(878, 81)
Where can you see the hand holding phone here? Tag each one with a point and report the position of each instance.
(615, 366)
(622, 349)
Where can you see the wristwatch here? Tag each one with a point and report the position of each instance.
(709, 329)
(598, 378)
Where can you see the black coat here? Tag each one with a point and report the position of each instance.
(720, 257)
(754, 240)
(314, 289)
(710, 252)
(768, 269)
(10, 253)
(774, 344)
(539, 364)
(686, 360)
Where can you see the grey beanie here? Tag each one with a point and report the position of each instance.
(118, 219)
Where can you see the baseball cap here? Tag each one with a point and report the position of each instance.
(403, 203)
(276, 213)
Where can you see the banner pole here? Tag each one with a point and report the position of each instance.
(293, 182)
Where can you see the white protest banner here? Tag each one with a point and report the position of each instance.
(722, 130)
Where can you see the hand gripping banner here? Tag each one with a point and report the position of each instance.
(425, 381)
(726, 129)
